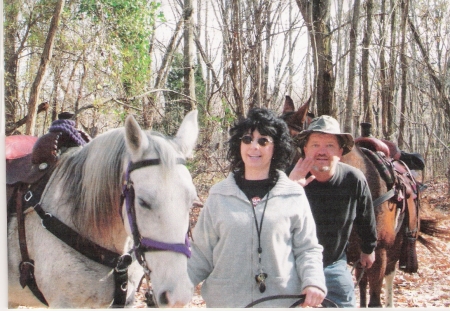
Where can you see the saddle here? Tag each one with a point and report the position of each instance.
(30, 162)
(403, 188)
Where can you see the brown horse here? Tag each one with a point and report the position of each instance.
(394, 217)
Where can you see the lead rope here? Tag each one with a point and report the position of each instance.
(261, 277)
(362, 273)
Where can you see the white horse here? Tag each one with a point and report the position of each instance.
(84, 192)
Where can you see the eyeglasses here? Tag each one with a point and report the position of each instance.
(263, 141)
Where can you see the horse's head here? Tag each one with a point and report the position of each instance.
(296, 120)
(162, 192)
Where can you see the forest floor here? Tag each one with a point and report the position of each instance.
(429, 287)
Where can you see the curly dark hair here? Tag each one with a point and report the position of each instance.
(268, 124)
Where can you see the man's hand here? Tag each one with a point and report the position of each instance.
(314, 296)
(367, 260)
(300, 170)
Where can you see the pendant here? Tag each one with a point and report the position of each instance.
(260, 280)
(255, 201)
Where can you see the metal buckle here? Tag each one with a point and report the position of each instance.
(123, 263)
(27, 197)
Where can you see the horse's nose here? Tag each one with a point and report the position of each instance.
(165, 301)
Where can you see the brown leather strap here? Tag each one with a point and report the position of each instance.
(21, 223)
(26, 266)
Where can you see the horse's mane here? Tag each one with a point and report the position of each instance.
(91, 178)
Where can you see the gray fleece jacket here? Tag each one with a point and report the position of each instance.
(225, 243)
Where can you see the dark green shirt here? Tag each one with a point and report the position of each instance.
(336, 205)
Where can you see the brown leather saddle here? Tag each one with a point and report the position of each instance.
(30, 162)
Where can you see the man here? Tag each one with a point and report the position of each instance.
(340, 198)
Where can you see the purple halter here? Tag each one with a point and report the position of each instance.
(142, 244)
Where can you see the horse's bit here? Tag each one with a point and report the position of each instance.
(143, 244)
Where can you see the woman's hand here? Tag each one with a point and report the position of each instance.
(314, 296)
(300, 170)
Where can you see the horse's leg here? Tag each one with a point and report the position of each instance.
(362, 287)
(375, 276)
(393, 257)
(389, 288)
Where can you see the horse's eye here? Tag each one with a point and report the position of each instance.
(144, 204)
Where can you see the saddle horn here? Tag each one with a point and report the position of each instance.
(366, 129)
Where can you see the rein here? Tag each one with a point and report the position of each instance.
(327, 303)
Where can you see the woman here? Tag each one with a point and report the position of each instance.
(255, 236)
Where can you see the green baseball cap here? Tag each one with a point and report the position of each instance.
(328, 125)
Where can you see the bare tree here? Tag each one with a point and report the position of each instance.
(45, 59)
(404, 67)
(236, 59)
(444, 100)
(189, 68)
(367, 104)
(11, 15)
(316, 14)
(348, 125)
(384, 81)
(392, 72)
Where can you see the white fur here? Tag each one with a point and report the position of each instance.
(389, 288)
(68, 279)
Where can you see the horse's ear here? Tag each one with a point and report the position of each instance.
(136, 141)
(299, 117)
(288, 105)
(187, 134)
(303, 111)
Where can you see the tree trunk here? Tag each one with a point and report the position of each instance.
(392, 72)
(236, 60)
(290, 60)
(383, 73)
(404, 67)
(208, 63)
(10, 60)
(445, 103)
(255, 50)
(148, 103)
(189, 68)
(348, 126)
(10, 130)
(45, 60)
(368, 114)
(268, 52)
(80, 90)
(316, 15)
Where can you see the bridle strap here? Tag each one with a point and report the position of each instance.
(75, 240)
(178, 248)
(26, 266)
(143, 244)
(149, 162)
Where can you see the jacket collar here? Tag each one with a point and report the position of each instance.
(284, 186)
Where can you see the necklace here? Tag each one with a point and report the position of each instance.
(261, 276)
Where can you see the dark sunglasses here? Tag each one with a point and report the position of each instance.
(247, 139)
